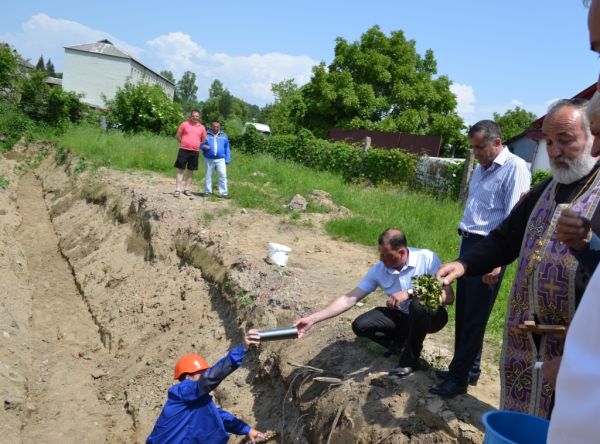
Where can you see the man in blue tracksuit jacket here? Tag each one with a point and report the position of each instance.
(190, 415)
(216, 156)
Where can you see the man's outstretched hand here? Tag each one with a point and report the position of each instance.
(303, 325)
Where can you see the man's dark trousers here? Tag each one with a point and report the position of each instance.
(474, 303)
(392, 328)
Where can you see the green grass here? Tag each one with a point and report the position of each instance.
(258, 181)
(4, 183)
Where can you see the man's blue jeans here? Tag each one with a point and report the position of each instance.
(209, 167)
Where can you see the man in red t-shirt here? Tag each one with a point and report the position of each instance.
(190, 135)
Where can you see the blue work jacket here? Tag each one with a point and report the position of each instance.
(191, 416)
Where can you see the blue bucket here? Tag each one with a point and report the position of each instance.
(507, 427)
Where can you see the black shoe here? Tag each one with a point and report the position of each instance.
(448, 389)
(402, 371)
(444, 374)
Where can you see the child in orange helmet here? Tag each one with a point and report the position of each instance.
(190, 415)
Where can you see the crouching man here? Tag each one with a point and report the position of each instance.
(403, 323)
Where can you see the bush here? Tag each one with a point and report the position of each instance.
(13, 125)
(377, 165)
(234, 127)
(143, 107)
(50, 105)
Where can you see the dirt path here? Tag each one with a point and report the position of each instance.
(107, 279)
(65, 403)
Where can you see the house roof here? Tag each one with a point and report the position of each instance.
(106, 47)
(585, 94)
(535, 129)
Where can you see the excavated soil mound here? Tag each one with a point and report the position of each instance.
(107, 279)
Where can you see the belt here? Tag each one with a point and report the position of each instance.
(463, 233)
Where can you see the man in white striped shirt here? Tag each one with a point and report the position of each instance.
(496, 186)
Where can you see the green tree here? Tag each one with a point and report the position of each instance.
(49, 105)
(221, 104)
(287, 110)
(50, 67)
(40, 65)
(144, 107)
(514, 121)
(210, 111)
(8, 67)
(34, 96)
(216, 89)
(381, 83)
(186, 90)
(168, 75)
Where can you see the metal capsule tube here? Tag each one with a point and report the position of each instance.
(276, 334)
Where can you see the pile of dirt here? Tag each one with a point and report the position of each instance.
(153, 277)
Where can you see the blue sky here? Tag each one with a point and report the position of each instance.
(498, 53)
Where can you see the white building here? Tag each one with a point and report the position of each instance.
(96, 70)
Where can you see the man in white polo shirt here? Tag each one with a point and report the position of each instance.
(403, 323)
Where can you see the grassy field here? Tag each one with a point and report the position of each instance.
(262, 182)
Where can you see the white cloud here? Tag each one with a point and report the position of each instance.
(467, 109)
(178, 52)
(465, 96)
(44, 35)
(248, 77)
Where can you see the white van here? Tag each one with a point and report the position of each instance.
(260, 127)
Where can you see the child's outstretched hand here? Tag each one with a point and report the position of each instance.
(251, 338)
(254, 435)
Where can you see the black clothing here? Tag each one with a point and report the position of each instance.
(187, 158)
(474, 302)
(391, 327)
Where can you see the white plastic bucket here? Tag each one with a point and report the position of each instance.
(279, 253)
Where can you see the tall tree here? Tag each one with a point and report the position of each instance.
(382, 83)
(514, 121)
(186, 91)
(8, 67)
(40, 65)
(288, 109)
(216, 89)
(50, 67)
(220, 103)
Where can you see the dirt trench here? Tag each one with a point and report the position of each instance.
(149, 277)
(66, 404)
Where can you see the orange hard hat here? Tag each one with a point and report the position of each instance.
(191, 363)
